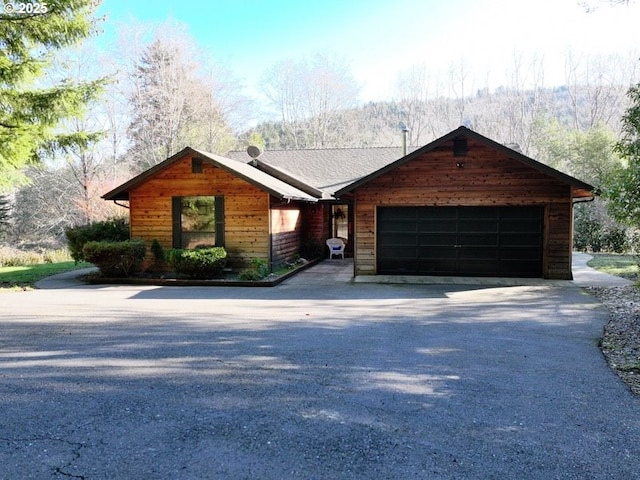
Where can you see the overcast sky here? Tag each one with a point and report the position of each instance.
(380, 38)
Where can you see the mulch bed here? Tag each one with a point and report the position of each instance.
(620, 343)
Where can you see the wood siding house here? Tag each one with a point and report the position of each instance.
(463, 205)
(256, 215)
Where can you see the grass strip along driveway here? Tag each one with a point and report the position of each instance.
(25, 276)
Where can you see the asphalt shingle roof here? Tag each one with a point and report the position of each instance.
(328, 169)
(256, 177)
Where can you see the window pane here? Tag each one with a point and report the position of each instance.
(198, 221)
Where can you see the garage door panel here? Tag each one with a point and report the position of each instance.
(436, 266)
(477, 268)
(478, 241)
(397, 213)
(519, 225)
(399, 266)
(520, 212)
(401, 226)
(435, 213)
(475, 212)
(520, 268)
(398, 252)
(520, 253)
(472, 239)
(478, 225)
(478, 253)
(436, 239)
(397, 239)
(519, 239)
(444, 226)
(435, 252)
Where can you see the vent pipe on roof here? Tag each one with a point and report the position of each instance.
(404, 129)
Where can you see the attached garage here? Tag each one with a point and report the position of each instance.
(465, 205)
(460, 241)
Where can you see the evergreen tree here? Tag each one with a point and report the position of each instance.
(32, 106)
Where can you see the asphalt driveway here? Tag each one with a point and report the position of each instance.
(311, 381)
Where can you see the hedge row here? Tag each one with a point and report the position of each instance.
(200, 263)
(115, 259)
(124, 259)
(108, 231)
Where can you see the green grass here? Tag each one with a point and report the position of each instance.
(25, 277)
(625, 266)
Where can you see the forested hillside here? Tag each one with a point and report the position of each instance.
(162, 93)
(507, 116)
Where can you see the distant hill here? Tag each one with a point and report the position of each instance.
(505, 115)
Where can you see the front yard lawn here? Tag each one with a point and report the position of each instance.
(625, 266)
(25, 277)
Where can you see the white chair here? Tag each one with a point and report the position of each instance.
(336, 247)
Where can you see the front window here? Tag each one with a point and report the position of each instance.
(197, 221)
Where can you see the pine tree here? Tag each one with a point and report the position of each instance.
(32, 108)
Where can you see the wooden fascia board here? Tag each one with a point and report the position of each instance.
(122, 192)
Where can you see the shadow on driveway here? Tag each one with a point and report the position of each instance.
(348, 381)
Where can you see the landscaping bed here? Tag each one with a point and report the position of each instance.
(230, 279)
(620, 343)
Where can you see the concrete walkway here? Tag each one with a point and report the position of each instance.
(341, 271)
(329, 272)
(585, 276)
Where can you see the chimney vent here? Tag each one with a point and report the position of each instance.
(404, 129)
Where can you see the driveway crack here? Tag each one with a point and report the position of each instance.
(76, 447)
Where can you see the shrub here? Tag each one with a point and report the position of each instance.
(116, 230)
(202, 262)
(615, 240)
(258, 270)
(115, 259)
(157, 251)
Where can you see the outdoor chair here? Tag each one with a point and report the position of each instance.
(336, 247)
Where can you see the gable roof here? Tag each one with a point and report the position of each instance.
(327, 170)
(242, 170)
(580, 189)
(326, 174)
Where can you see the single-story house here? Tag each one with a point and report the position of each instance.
(463, 205)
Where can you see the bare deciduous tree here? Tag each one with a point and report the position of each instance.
(178, 100)
(309, 94)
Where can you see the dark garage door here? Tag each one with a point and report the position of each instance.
(462, 241)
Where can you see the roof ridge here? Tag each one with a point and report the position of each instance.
(323, 149)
